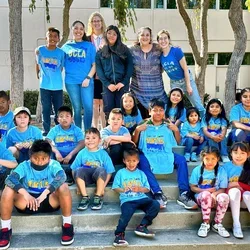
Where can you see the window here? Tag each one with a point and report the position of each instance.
(225, 4)
(189, 58)
(158, 4)
(106, 3)
(224, 58)
(246, 59)
(210, 59)
(140, 4)
(171, 4)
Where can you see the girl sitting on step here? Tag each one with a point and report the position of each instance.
(209, 182)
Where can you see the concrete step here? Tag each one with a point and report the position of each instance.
(172, 217)
(180, 239)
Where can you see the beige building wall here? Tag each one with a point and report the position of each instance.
(220, 34)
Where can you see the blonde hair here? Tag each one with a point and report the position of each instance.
(90, 29)
(163, 31)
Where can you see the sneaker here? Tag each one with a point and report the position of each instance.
(185, 201)
(203, 230)
(67, 234)
(159, 198)
(194, 157)
(97, 203)
(5, 236)
(142, 230)
(84, 204)
(120, 240)
(219, 229)
(164, 198)
(225, 158)
(187, 157)
(237, 232)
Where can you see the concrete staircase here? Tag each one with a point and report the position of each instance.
(176, 228)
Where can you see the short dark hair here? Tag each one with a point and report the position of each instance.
(4, 95)
(131, 152)
(191, 110)
(65, 109)
(22, 112)
(93, 130)
(53, 29)
(40, 146)
(156, 102)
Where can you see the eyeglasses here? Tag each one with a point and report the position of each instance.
(96, 21)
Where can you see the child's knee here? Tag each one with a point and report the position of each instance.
(7, 193)
(63, 189)
(246, 196)
(222, 198)
(234, 194)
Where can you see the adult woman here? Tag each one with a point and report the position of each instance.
(114, 67)
(174, 63)
(79, 72)
(96, 28)
(146, 82)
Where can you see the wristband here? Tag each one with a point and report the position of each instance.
(88, 77)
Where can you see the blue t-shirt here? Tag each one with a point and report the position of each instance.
(93, 159)
(78, 61)
(173, 112)
(105, 132)
(239, 114)
(208, 176)
(131, 121)
(156, 143)
(215, 125)
(65, 140)
(5, 154)
(171, 63)
(127, 179)
(34, 181)
(31, 134)
(6, 123)
(233, 171)
(187, 128)
(50, 63)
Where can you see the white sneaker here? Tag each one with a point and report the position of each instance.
(225, 158)
(237, 232)
(203, 230)
(219, 229)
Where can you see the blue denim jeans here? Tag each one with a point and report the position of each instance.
(182, 173)
(112, 99)
(221, 146)
(190, 142)
(49, 98)
(81, 97)
(239, 135)
(149, 206)
(195, 97)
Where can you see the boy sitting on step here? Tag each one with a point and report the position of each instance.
(155, 138)
(36, 186)
(132, 184)
(92, 165)
(66, 139)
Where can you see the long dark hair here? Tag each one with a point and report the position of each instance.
(204, 152)
(134, 111)
(222, 114)
(191, 110)
(245, 174)
(180, 105)
(118, 48)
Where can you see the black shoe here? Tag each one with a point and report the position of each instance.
(120, 240)
(142, 230)
(5, 236)
(97, 203)
(67, 234)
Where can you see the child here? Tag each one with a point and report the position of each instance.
(50, 61)
(92, 165)
(36, 186)
(6, 116)
(132, 115)
(175, 110)
(240, 118)
(156, 139)
(192, 134)
(7, 162)
(214, 125)
(132, 184)
(209, 182)
(20, 138)
(239, 195)
(66, 140)
(115, 137)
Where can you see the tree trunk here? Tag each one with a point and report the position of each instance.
(199, 57)
(235, 16)
(66, 29)
(16, 53)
